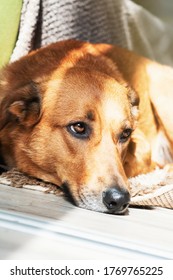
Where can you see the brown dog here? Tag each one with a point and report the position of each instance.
(86, 117)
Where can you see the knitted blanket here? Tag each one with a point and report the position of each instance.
(119, 22)
(152, 189)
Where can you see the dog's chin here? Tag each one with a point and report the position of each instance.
(90, 200)
(98, 206)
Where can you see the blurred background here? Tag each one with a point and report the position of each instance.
(160, 8)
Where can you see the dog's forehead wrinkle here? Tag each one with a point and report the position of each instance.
(90, 115)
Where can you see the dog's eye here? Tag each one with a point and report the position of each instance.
(125, 135)
(79, 130)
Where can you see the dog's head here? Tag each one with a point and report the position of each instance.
(71, 126)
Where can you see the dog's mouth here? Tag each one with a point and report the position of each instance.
(66, 189)
(113, 200)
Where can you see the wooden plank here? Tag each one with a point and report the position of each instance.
(42, 225)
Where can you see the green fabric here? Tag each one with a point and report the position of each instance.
(9, 23)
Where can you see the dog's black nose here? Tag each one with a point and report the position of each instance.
(116, 199)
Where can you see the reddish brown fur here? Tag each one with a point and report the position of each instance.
(100, 85)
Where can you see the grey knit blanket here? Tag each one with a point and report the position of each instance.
(108, 21)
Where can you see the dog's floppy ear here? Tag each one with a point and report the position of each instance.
(21, 106)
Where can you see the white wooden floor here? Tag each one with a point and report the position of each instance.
(35, 225)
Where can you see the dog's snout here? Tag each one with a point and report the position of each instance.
(116, 199)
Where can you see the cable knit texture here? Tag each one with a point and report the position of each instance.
(109, 21)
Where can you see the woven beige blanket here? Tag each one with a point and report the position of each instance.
(119, 22)
(152, 189)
